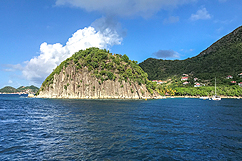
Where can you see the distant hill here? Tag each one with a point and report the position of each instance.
(23, 89)
(32, 88)
(8, 89)
(222, 58)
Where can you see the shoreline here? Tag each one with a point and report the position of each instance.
(232, 97)
(161, 97)
(14, 93)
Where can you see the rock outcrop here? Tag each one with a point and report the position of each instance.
(76, 79)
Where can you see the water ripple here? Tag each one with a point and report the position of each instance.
(172, 129)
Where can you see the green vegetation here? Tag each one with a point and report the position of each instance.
(176, 87)
(209, 91)
(27, 89)
(219, 60)
(8, 89)
(132, 91)
(103, 65)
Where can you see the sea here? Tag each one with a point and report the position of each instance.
(75, 129)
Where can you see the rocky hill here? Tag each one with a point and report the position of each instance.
(96, 73)
(222, 58)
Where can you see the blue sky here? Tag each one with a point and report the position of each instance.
(36, 35)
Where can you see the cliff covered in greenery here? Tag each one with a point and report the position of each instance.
(96, 73)
(221, 59)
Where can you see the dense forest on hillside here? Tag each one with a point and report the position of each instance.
(219, 60)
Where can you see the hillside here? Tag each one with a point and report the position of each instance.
(22, 89)
(220, 59)
(31, 88)
(8, 89)
(96, 73)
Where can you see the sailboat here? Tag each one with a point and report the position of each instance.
(216, 97)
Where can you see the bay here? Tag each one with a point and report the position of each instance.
(167, 129)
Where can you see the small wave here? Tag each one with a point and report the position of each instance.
(7, 121)
(23, 97)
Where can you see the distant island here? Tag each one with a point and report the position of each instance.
(21, 90)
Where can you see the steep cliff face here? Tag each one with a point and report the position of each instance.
(75, 78)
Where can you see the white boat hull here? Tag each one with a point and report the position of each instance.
(204, 98)
(216, 98)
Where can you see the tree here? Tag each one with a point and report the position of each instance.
(125, 58)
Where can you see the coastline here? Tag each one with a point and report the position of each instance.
(232, 97)
(134, 98)
(14, 93)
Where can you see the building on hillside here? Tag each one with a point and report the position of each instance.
(161, 82)
(233, 82)
(184, 78)
(185, 83)
(240, 75)
(197, 85)
(195, 79)
(185, 75)
(229, 77)
(240, 84)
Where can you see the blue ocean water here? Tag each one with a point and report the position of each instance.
(168, 129)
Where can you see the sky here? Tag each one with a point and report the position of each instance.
(37, 35)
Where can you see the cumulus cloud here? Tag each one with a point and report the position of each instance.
(10, 81)
(171, 19)
(201, 14)
(51, 55)
(166, 54)
(143, 8)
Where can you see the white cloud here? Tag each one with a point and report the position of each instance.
(166, 54)
(10, 81)
(143, 8)
(51, 55)
(12, 68)
(201, 14)
(171, 19)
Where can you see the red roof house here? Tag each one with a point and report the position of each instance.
(197, 85)
(184, 78)
(229, 77)
(240, 75)
(184, 83)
